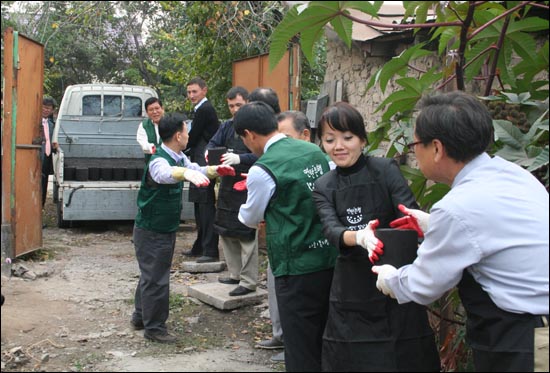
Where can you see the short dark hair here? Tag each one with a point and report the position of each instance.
(170, 124)
(343, 117)
(267, 95)
(299, 120)
(462, 124)
(199, 81)
(237, 91)
(151, 101)
(49, 101)
(256, 116)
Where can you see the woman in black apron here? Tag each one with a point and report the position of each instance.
(365, 331)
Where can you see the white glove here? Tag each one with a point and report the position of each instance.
(383, 273)
(367, 240)
(195, 177)
(230, 158)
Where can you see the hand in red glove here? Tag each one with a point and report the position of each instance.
(413, 219)
(224, 170)
(368, 240)
(241, 185)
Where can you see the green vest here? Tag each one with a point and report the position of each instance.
(149, 128)
(295, 241)
(159, 205)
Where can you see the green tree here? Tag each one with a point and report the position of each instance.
(495, 43)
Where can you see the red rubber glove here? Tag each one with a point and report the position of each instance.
(241, 185)
(224, 170)
(413, 219)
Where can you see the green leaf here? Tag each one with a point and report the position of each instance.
(367, 7)
(524, 45)
(508, 134)
(540, 161)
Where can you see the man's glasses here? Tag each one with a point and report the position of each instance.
(412, 145)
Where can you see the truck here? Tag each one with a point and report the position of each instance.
(99, 164)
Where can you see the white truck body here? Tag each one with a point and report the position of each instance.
(98, 166)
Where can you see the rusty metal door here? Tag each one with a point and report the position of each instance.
(21, 139)
(253, 72)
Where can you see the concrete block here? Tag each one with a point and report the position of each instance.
(194, 267)
(217, 295)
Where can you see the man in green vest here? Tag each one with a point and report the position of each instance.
(148, 132)
(279, 192)
(159, 207)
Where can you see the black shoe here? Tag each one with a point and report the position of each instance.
(137, 324)
(160, 338)
(228, 280)
(189, 253)
(207, 259)
(240, 290)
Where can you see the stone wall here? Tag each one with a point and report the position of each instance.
(355, 68)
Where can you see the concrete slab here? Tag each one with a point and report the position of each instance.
(194, 267)
(217, 295)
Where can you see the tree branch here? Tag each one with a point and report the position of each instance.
(498, 47)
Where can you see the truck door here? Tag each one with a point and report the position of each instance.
(21, 167)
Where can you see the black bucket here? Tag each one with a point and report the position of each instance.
(400, 246)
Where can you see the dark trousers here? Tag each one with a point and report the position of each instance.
(303, 309)
(154, 252)
(47, 170)
(207, 240)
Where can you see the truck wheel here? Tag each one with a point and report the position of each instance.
(60, 222)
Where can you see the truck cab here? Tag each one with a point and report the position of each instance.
(99, 164)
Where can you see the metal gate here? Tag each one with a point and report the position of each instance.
(253, 72)
(21, 139)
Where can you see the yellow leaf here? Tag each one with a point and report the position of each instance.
(52, 59)
(55, 25)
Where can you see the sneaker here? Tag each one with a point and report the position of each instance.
(137, 324)
(160, 337)
(228, 280)
(207, 259)
(279, 358)
(270, 344)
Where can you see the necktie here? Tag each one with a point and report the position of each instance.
(48, 146)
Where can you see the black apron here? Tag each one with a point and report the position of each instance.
(366, 330)
(230, 200)
(502, 341)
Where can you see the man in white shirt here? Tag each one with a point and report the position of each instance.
(488, 236)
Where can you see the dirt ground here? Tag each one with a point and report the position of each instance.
(68, 308)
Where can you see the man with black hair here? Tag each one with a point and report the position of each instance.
(239, 242)
(48, 146)
(204, 126)
(488, 236)
(159, 206)
(148, 131)
(279, 190)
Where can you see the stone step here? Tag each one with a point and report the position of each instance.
(217, 295)
(194, 267)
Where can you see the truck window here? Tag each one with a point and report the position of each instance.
(132, 106)
(112, 105)
(91, 105)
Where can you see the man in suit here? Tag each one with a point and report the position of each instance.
(204, 126)
(48, 147)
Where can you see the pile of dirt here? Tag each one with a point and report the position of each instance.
(68, 308)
